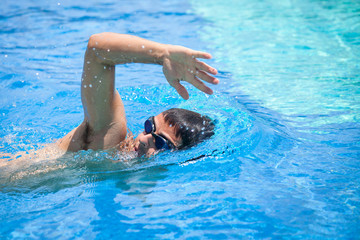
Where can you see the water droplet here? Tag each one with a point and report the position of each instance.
(150, 51)
(202, 133)
(142, 46)
(95, 77)
(96, 43)
(84, 86)
(104, 67)
(99, 81)
(88, 62)
(108, 50)
(192, 130)
(187, 128)
(170, 125)
(90, 85)
(82, 79)
(204, 122)
(192, 71)
(188, 69)
(203, 128)
(59, 4)
(193, 56)
(93, 49)
(197, 72)
(6, 55)
(37, 74)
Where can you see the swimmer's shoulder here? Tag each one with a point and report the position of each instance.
(84, 137)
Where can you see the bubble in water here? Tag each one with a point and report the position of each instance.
(6, 55)
(90, 85)
(59, 4)
(99, 81)
(37, 74)
(187, 128)
(202, 133)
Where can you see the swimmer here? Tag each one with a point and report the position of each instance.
(104, 125)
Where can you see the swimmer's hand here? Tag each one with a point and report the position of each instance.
(181, 64)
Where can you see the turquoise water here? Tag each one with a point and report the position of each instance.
(284, 162)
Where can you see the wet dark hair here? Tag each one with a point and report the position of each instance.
(190, 126)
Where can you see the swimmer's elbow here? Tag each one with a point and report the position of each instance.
(94, 41)
(95, 48)
(98, 40)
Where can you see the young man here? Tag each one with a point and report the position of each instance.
(104, 124)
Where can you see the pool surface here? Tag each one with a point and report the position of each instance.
(284, 162)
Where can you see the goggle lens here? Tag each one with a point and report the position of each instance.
(148, 126)
(160, 142)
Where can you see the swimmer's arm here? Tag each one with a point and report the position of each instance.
(102, 104)
(179, 63)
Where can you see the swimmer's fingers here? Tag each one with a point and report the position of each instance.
(198, 54)
(180, 89)
(206, 77)
(173, 79)
(205, 67)
(200, 85)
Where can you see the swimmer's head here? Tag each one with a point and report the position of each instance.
(173, 129)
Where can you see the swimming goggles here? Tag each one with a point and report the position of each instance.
(160, 141)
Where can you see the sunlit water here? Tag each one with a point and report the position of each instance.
(284, 162)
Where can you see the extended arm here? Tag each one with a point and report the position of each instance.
(104, 123)
(179, 63)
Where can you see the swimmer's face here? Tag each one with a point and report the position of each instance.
(145, 143)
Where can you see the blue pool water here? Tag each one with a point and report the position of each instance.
(284, 162)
